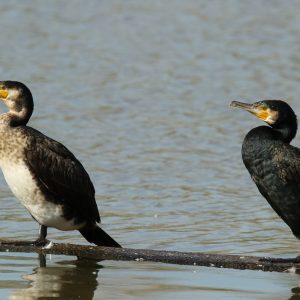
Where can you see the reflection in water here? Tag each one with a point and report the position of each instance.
(296, 290)
(68, 278)
(72, 279)
(296, 293)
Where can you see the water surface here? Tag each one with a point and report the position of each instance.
(139, 91)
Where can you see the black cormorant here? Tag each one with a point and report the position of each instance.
(43, 174)
(272, 162)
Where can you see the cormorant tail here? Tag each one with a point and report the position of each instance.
(94, 234)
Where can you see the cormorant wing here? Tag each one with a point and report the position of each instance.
(278, 180)
(61, 175)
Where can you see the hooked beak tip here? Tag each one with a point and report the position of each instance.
(242, 105)
(233, 104)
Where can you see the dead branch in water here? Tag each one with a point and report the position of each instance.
(171, 257)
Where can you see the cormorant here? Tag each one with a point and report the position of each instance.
(272, 162)
(43, 174)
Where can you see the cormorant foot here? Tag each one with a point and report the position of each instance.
(37, 243)
(40, 242)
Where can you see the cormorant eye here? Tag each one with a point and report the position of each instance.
(263, 106)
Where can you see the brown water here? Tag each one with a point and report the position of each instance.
(139, 91)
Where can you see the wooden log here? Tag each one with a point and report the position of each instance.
(172, 257)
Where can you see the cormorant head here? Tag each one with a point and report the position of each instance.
(277, 113)
(17, 97)
(274, 112)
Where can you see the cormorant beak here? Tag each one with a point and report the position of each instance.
(258, 109)
(3, 93)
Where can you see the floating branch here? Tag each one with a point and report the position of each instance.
(171, 257)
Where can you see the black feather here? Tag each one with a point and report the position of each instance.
(274, 164)
(98, 236)
(61, 176)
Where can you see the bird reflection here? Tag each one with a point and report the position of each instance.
(296, 293)
(64, 280)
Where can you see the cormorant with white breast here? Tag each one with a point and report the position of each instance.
(272, 162)
(43, 174)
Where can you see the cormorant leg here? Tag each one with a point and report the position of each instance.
(41, 240)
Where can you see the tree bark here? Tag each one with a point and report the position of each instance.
(172, 257)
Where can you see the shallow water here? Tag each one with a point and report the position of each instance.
(139, 91)
(69, 278)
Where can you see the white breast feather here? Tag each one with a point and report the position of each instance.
(25, 188)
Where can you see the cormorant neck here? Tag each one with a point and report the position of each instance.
(15, 118)
(287, 130)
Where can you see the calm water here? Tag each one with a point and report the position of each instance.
(139, 91)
